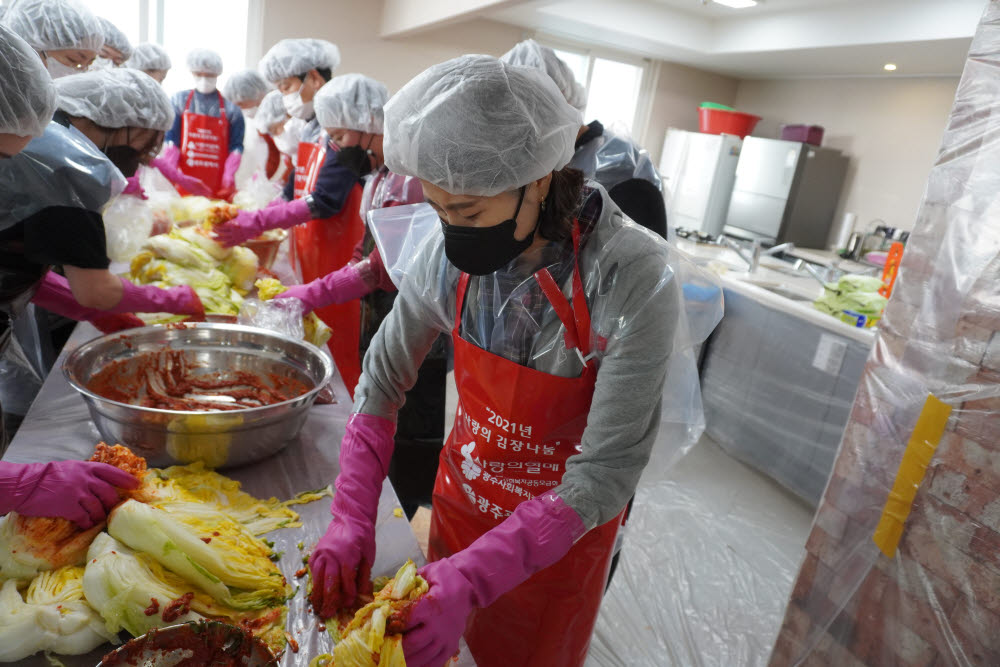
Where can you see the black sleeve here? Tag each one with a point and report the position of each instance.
(289, 192)
(66, 236)
(333, 186)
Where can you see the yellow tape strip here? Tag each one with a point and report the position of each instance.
(926, 436)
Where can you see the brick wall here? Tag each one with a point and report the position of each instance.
(937, 602)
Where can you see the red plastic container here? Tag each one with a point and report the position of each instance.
(718, 121)
(810, 134)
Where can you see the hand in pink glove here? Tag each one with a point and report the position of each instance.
(132, 187)
(342, 561)
(181, 300)
(229, 170)
(81, 491)
(539, 533)
(251, 224)
(167, 164)
(341, 286)
(54, 294)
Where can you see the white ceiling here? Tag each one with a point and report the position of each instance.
(777, 38)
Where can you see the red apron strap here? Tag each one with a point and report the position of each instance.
(463, 284)
(187, 105)
(580, 310)
(560, 304)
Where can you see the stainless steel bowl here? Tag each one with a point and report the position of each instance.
(220, 439)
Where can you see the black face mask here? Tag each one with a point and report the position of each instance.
(126, 158)
(479, 251)
(356, 159)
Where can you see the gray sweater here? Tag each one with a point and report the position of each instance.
(635, 303)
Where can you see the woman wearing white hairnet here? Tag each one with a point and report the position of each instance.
(349, 108)
(80, 491)
(622, 167)
(321, 200)
(52, 193)
(563, 315)
(63, 32)
(246, 89)
(205, 145)
(151, 59)
(274, 128)
(117, 49)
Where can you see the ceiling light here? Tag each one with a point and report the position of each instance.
(736, 4)
(889, 67)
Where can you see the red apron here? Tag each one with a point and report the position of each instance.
(515, 427)
(320, 247)
(204, 145)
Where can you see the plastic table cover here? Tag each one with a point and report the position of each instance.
(58, 426)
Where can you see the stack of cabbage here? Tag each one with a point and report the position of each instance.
(183, 547)
(220, 276)
(853, 299)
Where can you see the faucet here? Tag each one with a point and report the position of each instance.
(753, 261)
(781, 247)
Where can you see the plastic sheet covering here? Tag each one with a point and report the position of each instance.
(611, 159)
(923, 590)
(778, 390)
(128, 221)
(710, 554)
(59, 427)
(60, 168)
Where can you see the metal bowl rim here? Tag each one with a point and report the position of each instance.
(79, 351)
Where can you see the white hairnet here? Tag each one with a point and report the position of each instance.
(270, 111)
(292, 57)
(530, 53)
(117, 97)
(148, 56)
(27, 94)
(352, 102)
(204, 60)
(478, 126)
(245, 86)
(51, 25)
(115, 38)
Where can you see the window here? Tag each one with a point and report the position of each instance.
(613, 88)
(182, 25)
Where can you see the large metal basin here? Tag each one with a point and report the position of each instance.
(220, 439)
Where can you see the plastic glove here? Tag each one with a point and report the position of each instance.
(54, 294)
(342, 285)
(81, 491)
(229, 170)
(251, 224)
(181, 300)
(132, 187)
(539, 533)
(342, 561)
(167, 164)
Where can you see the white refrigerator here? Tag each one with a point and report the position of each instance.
(698, 172)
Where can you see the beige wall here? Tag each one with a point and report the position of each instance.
(353, 25)
(679, 91)
(891, 128)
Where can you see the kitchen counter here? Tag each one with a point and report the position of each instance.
(58, 426)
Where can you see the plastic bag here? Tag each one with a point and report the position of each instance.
(128, 222)
(399, 232)
(282, 316)
(256, 193)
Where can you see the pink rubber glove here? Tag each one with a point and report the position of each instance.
(538, 534)
(167, 164)
(81, 491)
(55, 295)
(132, 187)
(341, 563)
(181, 300)
(341, 286)
(229, 170)
(251, 224)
